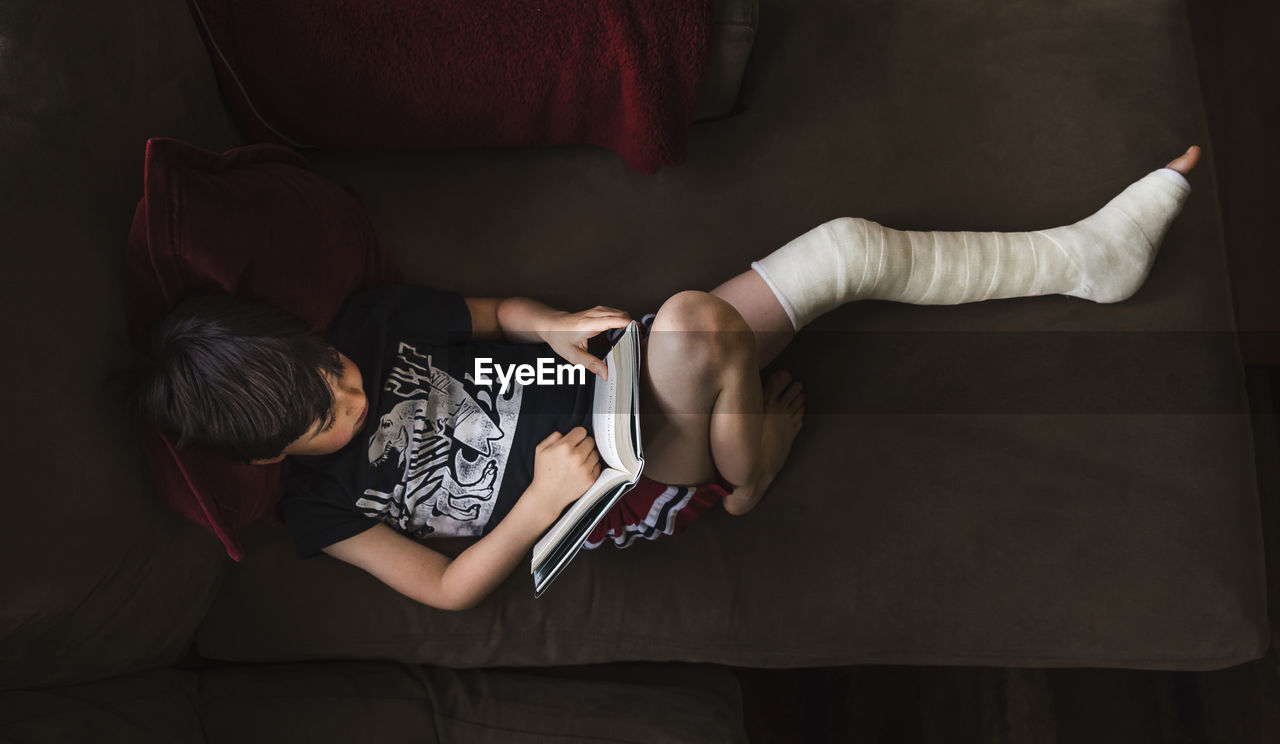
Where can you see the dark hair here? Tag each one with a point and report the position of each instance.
(241, 378)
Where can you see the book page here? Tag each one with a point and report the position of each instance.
(615, 419)
(604, 410)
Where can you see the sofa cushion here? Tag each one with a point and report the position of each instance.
(253, 221)
(1034, 482)
(325, 702)
(384, 702)
(157, 706)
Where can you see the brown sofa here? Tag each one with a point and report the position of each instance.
(1037, 482)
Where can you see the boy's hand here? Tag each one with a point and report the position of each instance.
(564, 467)
(568, 334)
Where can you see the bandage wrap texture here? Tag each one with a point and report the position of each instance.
(1105, 257)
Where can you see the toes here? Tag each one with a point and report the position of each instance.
(777, 382)
(1185, 162)
(793, 394)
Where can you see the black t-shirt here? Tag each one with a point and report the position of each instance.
(438, 454)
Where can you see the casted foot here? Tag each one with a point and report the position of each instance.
(1113, 249)
(783, 419)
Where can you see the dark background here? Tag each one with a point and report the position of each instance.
(1237, 46)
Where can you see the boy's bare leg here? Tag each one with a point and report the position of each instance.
(783, 417)
(759, 307)
(702, 407)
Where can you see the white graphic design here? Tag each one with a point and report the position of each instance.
(450, 445)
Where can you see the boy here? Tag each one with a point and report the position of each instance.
(391, 434)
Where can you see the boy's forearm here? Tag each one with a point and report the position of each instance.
(523, 319)
(479, 569)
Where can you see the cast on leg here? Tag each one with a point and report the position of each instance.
(1105, 257)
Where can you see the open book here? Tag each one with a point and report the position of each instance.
(615, 424)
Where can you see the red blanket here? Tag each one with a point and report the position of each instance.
(624, 74)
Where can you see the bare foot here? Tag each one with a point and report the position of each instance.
(784, 404)
(783, 419)
(1185, 162)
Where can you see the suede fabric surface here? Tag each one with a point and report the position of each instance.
(378, 701)
(1038, 482)
(99, 577)
(156, 707)
(386, 703)
(1069, 526)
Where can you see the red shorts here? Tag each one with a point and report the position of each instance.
(653, 509)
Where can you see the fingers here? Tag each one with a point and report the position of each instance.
(576, 438)
(586, 448)
(576, 355)
(551, 439)
(570, 340)
(601, 318)
(578, 442)
(600, 369)
(600, 312)
(586, 445)
(595, 325)
(606, 322)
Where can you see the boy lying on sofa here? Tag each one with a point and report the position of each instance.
(426, 451)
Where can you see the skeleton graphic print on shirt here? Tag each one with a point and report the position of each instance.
(439, 451)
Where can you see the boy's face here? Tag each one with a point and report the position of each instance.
(350, 407)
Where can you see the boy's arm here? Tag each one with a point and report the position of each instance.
(434, 579)
(565, 466)
(524, 320)
(517, 319)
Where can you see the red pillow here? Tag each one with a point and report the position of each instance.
(254, 221)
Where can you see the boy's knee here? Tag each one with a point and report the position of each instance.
(704, 328)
